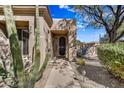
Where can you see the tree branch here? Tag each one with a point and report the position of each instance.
(112, 9)
(117, 38)
(116, 23)
(98, 21)
(121, 12)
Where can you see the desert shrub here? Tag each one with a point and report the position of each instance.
(80, 61)
(112, 57)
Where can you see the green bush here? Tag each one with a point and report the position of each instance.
(80, 61)
(112, 57)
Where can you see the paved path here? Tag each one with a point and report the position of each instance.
(60, 76)
(96, 76)
(41, 83)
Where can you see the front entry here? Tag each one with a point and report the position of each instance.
(62, 46)
(60, 43)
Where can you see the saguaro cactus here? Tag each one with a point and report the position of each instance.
(36, 59)
(14, 46)
(37, 40)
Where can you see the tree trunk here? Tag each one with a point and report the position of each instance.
(112, 36)
(14, 46)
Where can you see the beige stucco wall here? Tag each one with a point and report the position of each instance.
(44, 35)
(43, 44)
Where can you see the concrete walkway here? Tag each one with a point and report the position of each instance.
(60, 76)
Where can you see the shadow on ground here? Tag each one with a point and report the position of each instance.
(99, 75)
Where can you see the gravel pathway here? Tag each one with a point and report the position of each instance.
(94, 75)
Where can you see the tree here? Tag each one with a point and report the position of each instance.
(107, 16)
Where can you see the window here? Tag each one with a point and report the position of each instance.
(23, 36)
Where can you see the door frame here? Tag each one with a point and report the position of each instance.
(57, 50)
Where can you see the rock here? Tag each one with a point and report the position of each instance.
(5, 59)
(27, 63)
(5, 54)
(2, 84)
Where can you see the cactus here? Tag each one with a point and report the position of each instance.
(36, 56)
(37, 41)
(14, 46)
(36, 71)
(43, 66)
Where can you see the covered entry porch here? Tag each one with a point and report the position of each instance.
(60, 43)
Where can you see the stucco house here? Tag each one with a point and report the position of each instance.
(57, 35)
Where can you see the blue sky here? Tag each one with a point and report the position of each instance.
(84, 34)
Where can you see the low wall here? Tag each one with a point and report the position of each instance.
(88, 50)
